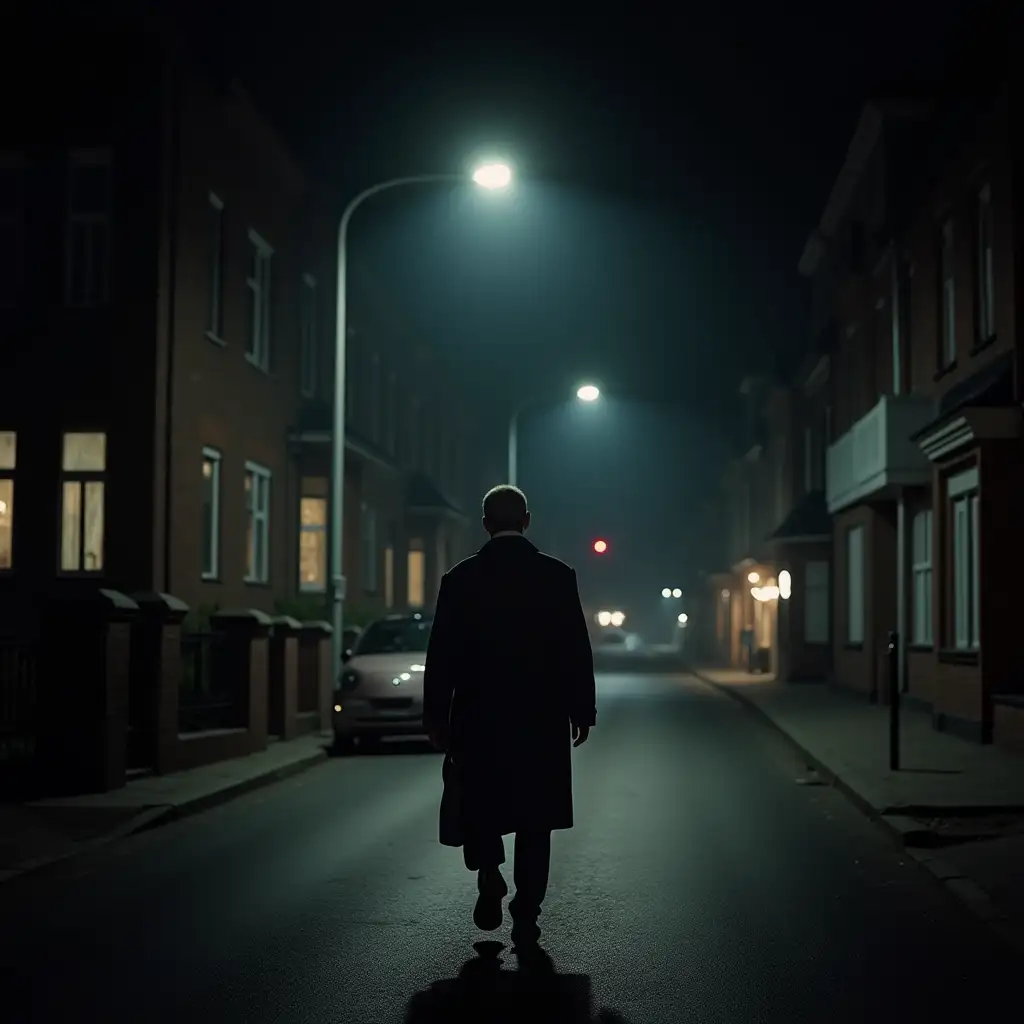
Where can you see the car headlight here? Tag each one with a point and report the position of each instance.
(349, 681)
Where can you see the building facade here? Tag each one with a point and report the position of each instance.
(912, 389)
(166, 362)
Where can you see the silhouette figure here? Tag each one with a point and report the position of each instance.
(509, 684)
(485, 993)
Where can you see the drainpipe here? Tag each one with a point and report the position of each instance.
(172, 276)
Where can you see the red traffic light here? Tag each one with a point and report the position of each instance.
(600, 546)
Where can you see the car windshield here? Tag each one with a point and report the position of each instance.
(394, 636)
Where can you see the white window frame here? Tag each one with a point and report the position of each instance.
(922, 615)
(855, 585)
(308, 348)
(215, 311)
(368, 548)
(12, 226)
(213, 457)
(98, 225)
(9, 474)
(260, 284)
(82, 477)
(255, 573)
(304, 528)
(817, 598)
(947, 321)
(964, 506)
(986, 266)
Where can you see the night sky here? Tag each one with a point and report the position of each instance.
(671, 166)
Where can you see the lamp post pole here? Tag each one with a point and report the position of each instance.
(337, 534)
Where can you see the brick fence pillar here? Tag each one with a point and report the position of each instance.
(316, 680)
(246, 660)
(283, 677)
(84, 667)
(156, 680)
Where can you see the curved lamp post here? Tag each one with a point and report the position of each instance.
(584, 393)
(494, 176)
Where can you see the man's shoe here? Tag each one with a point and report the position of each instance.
(487, 914)
(525, 933)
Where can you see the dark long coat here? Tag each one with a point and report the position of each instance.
(508, 666)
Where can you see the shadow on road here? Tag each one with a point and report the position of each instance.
(486, 993)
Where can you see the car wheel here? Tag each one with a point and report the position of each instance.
(369, 743)
(343, 743)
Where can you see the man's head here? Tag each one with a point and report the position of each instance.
(505, 510)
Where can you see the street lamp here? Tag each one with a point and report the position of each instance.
(493, 176)
(584, 393)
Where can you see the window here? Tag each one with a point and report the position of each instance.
(215, 312)
(922, 573)
(389, 576)
(416, 573)
(816, 603)
(307, 336)
(947, 310)
(257, 528)
(368, 525)
(392, 419)
(986, 302)
(855, 585)
(313, 536)
(88, 238)
(376, 398)
(12, 226)
(8, 463)
(211, 514)
(259, 284)
(963, 496)
(352, 346)
(83, 467)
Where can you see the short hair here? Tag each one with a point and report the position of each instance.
(505, 508)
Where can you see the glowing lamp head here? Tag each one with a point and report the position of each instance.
(493, 176)
(588, 393)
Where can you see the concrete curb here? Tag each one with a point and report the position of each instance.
(906, 832)
(163, 814)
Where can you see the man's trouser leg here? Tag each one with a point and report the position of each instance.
(533, 862)
(483, 850)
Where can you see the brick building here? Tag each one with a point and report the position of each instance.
(167, 358)
(913, 384)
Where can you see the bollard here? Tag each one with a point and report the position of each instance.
(894, 702)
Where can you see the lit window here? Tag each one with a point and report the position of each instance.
(948, 301)
(416, 574)
(307, 336)
(259, 284)
(8, 463)
(257, 523)
(922, 572)
(986, 301)
(12, 226)
(313, 538)
(211, 514)
(215, 314)
(83, 471)
(389, 576)
(88, 239)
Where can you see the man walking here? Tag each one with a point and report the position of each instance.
(509, 680)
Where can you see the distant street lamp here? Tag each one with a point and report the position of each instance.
(584, 393)
(493, 176)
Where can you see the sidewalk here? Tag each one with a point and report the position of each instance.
(47, 832)
(957, 807)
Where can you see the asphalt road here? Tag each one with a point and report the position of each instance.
(701, 884)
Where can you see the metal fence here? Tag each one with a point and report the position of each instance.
(18, 677)
(207, 699)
